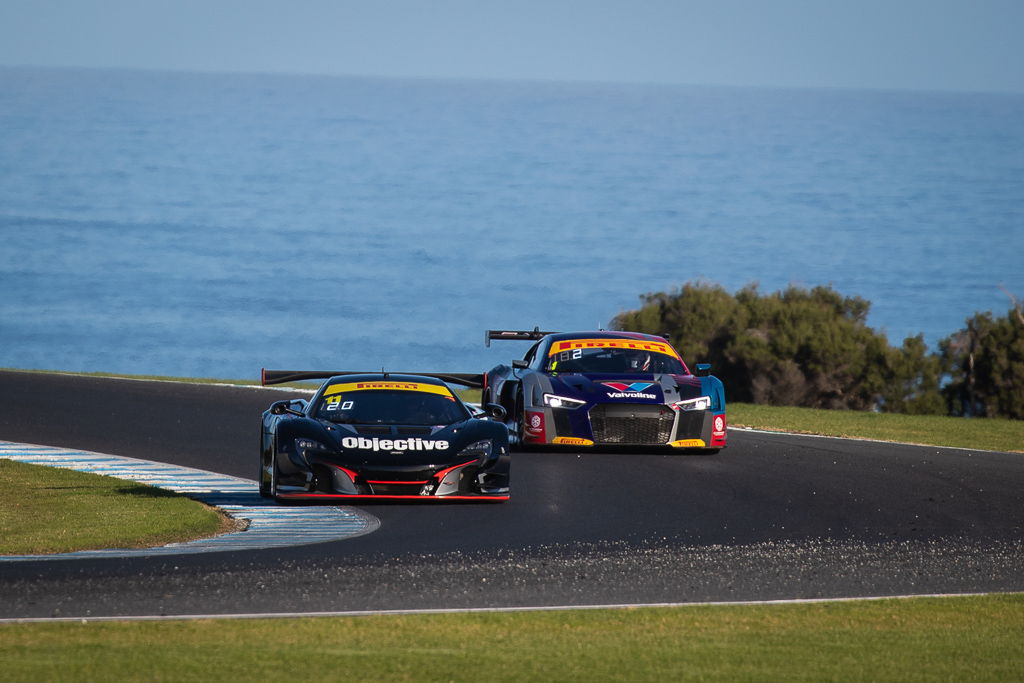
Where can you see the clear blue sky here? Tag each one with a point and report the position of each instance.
(892, 44)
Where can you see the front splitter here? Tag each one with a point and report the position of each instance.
(384, 497)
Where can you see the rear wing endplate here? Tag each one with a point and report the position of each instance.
(516, 335)
(281, 376)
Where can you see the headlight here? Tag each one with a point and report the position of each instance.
(302, 448)
(553, 401)
(699, 403)
(477, 449)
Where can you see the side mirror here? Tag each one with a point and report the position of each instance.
(495, 411)
(703, 369)
(283, 407)
(520, 364)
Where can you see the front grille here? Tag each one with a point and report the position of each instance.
(396, 489)
(631, 423)
(690, 424)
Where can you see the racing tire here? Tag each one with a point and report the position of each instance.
(262, 475)
(273, 478)
(520, 413)
(268, 489)
(264, 489)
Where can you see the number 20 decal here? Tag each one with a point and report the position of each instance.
(334, 403)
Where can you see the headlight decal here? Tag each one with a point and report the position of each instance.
(556, 401)
(477, 448)
(699, 403)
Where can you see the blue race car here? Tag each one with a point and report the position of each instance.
(606, 389)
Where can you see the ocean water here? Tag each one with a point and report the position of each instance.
(210, 225)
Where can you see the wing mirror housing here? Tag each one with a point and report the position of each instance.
(520, 364)
(285, 407)
(703, 369)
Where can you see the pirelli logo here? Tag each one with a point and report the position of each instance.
(388, 386)
(637, 344)
(572, 441)
(407, 386)
(688, 443)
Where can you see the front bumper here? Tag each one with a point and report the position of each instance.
(353, 498)
(320, 475)
(625, 424)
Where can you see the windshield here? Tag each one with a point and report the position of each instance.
(617, 359)
(426, 404)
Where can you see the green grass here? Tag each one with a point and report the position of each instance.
(934, 430)
(52, 510)
(923, 639)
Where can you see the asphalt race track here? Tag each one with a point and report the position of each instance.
(771, 517)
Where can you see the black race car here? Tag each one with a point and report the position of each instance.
(606, 389)
(382, 436)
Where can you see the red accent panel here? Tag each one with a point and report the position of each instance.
(718, 426)
(443, 473)
(351, 475)
(534, 430)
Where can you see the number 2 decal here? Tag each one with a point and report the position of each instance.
(334, 403)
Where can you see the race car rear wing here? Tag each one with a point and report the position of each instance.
(530, 335)
(465, 379)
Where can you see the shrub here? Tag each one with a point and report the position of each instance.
(986, 363)
(799, 347)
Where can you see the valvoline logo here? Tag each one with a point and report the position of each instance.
(635, 386)
(631, 390)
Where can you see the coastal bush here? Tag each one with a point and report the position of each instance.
(795, 347)
(985, 362)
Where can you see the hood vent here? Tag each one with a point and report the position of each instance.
(414, 431)
(374, 430)
(391, 430)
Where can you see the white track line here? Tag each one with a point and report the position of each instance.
(269, 525)
(482, 610)
(775, 432)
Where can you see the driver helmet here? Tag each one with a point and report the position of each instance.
(640, 362)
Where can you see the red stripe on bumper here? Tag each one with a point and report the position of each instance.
(364, 496)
